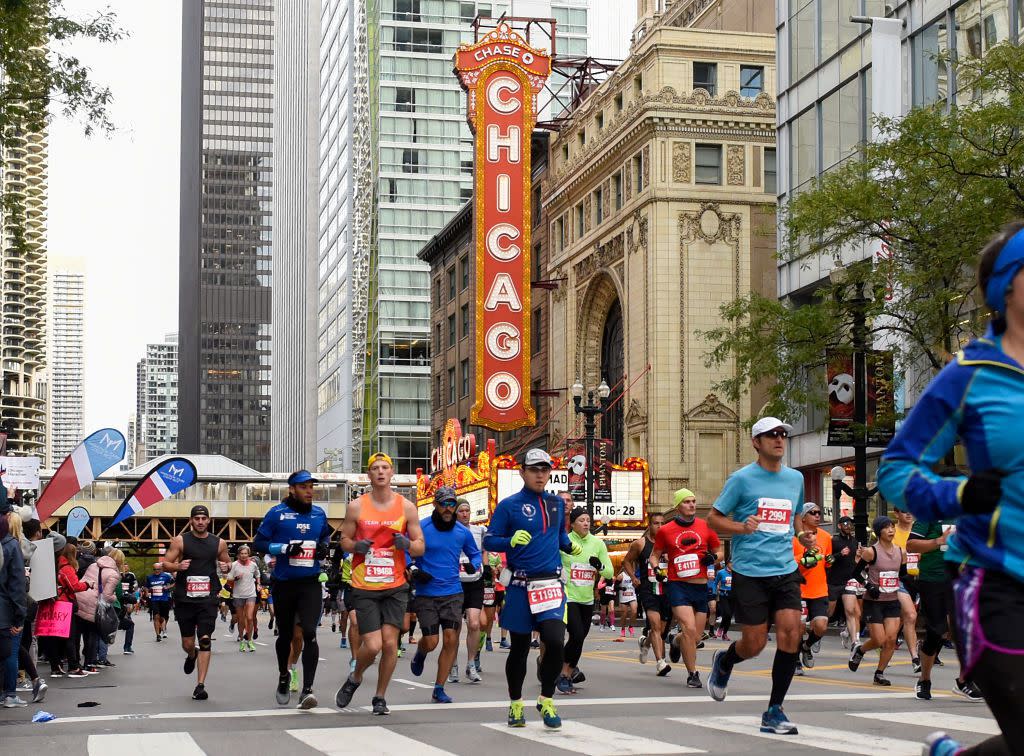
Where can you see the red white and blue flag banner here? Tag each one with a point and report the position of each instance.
(173, 476)
(90, 459)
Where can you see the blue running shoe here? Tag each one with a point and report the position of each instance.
(516, 715)
(504, 643)
(564, 685)
(440, 696)
(344, 642)
(940, 744)
(718, 680)
(774, 720)
(417, 663)
(490, 646)
(548, 713)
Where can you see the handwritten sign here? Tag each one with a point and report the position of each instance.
(53, 620)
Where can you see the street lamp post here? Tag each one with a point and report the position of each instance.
(590, 411)
(860, 492)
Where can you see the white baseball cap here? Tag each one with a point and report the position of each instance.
(536, 457)
(766, 424)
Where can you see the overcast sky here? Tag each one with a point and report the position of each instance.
(114, 201)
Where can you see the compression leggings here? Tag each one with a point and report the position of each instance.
(552, 636)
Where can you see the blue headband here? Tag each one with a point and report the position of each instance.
(1008, 264)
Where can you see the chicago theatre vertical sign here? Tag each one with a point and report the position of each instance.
(502, 76)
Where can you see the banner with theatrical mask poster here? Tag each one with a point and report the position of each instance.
(502, 76)
(880, 417)
(842, 392)
(576, 464)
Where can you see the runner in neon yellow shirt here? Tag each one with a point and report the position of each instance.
(580, 573)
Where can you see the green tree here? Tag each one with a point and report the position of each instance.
(39, 79)
(934, 188)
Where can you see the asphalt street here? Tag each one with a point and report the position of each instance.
(145, 707)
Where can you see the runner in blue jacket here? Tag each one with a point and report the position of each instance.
(529, 527)
(978, 398)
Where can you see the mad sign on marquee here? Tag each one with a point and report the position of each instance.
(502, 76)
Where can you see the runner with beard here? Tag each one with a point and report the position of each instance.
(842, 584)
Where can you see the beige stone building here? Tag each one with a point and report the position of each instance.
(661, 207)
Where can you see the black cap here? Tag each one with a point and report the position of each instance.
(199, 509)
(576, 513)
(845, 520)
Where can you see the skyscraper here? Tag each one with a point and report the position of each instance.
(156, 421)
(23, 295)
(396, 165)
(66, 362)
(296, 114)
(226, 178)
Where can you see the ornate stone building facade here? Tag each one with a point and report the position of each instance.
(661, 208)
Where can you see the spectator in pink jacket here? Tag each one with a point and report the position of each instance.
(87, 600)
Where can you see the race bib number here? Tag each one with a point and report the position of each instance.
(686, 565)
(305, 557)
(627, 596)
(544, 595)
(728, 581)
(157, 591)
(582, 574)
(197, 586)
(803, 611)
(913, 563)
(775, 515)
(888, 581)
(711, 572)
(380, 566)
(853, 585)
(488, 596)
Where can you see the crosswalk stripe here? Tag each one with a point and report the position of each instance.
(591, 741)
(148, 744)
(364, 741)
(822, 738)
(413, 683)
(938, 720)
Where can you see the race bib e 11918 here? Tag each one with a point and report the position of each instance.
(544, 595)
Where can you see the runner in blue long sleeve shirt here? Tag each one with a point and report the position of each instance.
(529, 527)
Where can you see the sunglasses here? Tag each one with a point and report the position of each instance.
(813, 512)
(775, 434)
(450, 504)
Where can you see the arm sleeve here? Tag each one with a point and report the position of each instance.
(262, 540)
(607, 570)
(730, 496)
(497, 537)
(905, 476)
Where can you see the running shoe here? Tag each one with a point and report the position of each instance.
(106, 663)
(564, 686)
(816, 648)
(344, 695)
(535, 643)
(844, 638)
(14, 702)
(700, 645)
(472, 673)
(968, 690)
(504, 644)
(548, 713)
(344, 642)
(163, 634)
(189, 666)
(77, 673)
(674, 652)
(940, 744)
(24, 686)
(453, 674)
(856, 656)
(476, 663)
(938, 661)
(775, 721)
(718, 680)
(416, 666)
(293, 682)
(281, 692)
(231, 627)
(401, 651)
(645, 649)
(577, 676)
(57, 672)
(663, 667)
(923, 690)
(243, 646)
(806, 656)
(252, 646)
(94, 670)
(200, 694)
(489, 645)
(726, 638)
(380, 706)
(948, 644)
(334, 627)
(880, 679)
(440, 696)
(705, 635)
(916, 664)
(798, 670)
(516, 714)
(352, 664)
(129, 651)
(39, 688)
(693, 680)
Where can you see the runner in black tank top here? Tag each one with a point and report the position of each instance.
(651, 595)
(196, 557)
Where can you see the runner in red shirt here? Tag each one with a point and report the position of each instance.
(690, 547)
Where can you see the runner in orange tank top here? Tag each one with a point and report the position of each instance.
(381, 529)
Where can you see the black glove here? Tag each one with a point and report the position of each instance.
(660, 576)
(595, 563)
(322, 550)
(708, 559)
(402, 542)
(873, 592)
(361, 547)
(470, 568)
(421, 576)
(488, 572)
(294, 549)
(982, 492)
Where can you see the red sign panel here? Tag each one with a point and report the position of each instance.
(502, 76)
